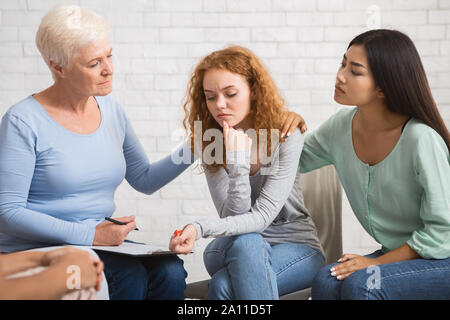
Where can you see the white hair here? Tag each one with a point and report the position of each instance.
(66, 29)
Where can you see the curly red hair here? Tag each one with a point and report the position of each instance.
(266, 105)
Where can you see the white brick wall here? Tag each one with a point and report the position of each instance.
(158, 42)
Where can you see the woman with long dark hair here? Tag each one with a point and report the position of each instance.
(392, 155)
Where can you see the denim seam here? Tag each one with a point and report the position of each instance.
(111, 284)
(413, 272)
(266, 258)
(215, 251)
(298, 259)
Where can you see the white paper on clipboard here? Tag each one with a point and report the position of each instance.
(135, 249)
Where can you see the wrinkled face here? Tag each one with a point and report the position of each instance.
(91, 70)
(355, 84)
(227, 97)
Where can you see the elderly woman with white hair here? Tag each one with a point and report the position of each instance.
(65, 150)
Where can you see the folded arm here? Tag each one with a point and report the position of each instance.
(271, 199)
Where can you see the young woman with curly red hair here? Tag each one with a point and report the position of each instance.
(266, 243)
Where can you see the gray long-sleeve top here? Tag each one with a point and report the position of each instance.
(269, 202)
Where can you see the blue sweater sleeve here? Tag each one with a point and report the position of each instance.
(17, 163)
(149, 177)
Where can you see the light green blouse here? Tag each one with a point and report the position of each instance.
(403, 199)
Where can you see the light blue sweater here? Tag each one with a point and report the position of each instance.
(56, 185)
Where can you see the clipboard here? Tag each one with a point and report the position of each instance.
(137, 249)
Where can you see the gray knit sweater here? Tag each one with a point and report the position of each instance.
(269, 202)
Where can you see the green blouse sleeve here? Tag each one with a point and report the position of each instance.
(317, 149)
(432, 165)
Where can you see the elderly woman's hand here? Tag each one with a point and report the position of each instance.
(111, 234)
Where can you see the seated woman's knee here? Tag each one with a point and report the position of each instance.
(357, 286)
(173, 268)
(320, 287)
(133, 272)
(248, 243)
(219, 287)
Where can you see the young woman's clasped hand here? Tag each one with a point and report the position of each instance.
(235, 139)
(184, 242)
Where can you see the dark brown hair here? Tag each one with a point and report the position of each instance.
(399, 73)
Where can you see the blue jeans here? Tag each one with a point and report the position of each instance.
(247, 267)
(142, 278)
(405, 280)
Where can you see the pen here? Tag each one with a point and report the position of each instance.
(117, 222)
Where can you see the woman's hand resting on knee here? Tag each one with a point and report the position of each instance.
(184, 242)
(350, 263)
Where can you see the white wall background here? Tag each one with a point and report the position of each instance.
(156, 44)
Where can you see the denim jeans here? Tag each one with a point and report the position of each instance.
(142, 278)
(247, 267)
(405, 280)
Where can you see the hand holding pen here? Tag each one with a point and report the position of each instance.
(182, 241)
(113, 232)
(118, 222)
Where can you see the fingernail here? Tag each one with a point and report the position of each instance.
(339, 260)
(332, 269)
(288, 134)
(339, 277)
(334, 274)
